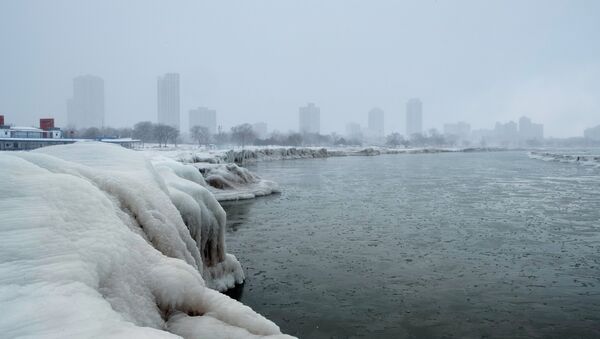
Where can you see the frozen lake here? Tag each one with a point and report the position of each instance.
(463, 245)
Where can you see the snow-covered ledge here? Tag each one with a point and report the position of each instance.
(95, 240)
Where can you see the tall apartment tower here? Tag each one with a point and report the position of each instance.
(168, 100)
(309, 119)
(203, 116)
(414, 117)
(86, 108)
(376, 123)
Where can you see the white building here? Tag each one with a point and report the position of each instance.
(86, 108)
(168, 100)
(309, 119)
(414, 117)
(376, 123)
(203, 116)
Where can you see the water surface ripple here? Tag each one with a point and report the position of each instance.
(459, 245)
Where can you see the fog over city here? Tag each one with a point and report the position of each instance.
(252, 61)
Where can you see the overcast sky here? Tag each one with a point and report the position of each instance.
(477, 61)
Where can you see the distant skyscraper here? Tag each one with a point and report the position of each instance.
(529, 130)
(309, 118)
(203, 116)
(260, 128)
(414, 117)
(168, 100)
(376, 123)
(86, 108)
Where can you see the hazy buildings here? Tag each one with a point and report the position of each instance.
(414, 117)
(592, 133)
(168, 100)
(86, 107)
(203, 116)
(529, 131)
(309, 119)
(376, 123)
(353, 131)
(506, 134)
(460, 130)
(260, 129)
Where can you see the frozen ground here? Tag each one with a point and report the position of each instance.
(96, 241)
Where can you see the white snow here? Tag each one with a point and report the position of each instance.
(95, 241)
(195, 154)
(232, 182)
(582, 158)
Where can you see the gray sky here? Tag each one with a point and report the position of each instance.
(478, 61)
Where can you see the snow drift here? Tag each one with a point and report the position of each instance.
(97, 241)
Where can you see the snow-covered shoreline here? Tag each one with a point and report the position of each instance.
(196, 154)
(97, 241)
(581, 158)
(229, 181)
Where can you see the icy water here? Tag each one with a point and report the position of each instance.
(461, 245)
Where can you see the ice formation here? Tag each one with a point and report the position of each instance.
(232, 182)
(97, 241)
(576, 158)
(194, 154)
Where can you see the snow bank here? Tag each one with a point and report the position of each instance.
(96, 241)
(574, 158)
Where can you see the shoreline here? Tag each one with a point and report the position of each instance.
(228, 179)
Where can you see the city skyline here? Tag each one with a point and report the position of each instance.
(227, 61)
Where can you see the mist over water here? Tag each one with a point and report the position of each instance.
(445, 245)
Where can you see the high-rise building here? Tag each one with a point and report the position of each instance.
(86, 108)
(414, 117)
(530, 131)
(203, 116)
(309, 118)
(376, 123)
(168, 100)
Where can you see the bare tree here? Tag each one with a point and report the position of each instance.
(243, 134)
(173, 135)
(144, 131)
(162, 133)
(91, 133)
(200, 134)
(395, 139)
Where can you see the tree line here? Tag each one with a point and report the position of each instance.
(244, 135)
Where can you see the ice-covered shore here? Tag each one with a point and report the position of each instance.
(97, 241)
(194, 154)
(582, 158)
(228, 181)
